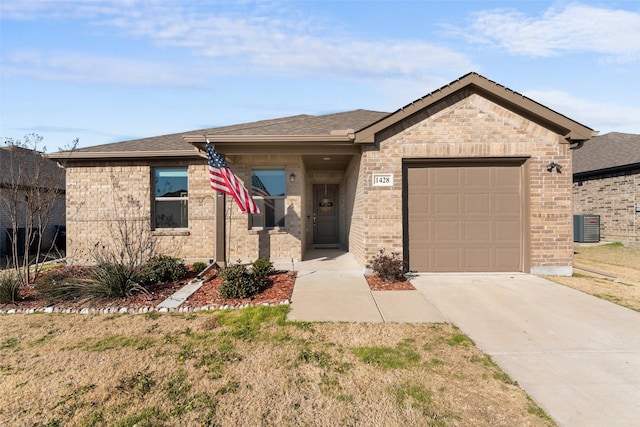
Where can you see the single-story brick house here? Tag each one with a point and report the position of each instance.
(458, 180)
(606, 182)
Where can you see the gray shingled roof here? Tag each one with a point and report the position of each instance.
(20, 164)
(612, 150)
(294, 125)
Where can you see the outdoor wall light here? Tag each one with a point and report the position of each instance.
(553, 165)
(292, 177)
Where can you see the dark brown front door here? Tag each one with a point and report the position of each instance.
(325, 214)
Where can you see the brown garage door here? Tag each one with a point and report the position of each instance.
(464, 217)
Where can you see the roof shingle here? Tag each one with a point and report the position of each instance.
(293, 125)
(612, 150)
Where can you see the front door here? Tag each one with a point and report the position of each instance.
(325, 214)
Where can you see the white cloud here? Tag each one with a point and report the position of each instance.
(575, 28)
(598, 116)
(89, 69)
(256, 38)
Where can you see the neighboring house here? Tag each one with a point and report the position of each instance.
(457, 180)
(23, 174)
(606, 182)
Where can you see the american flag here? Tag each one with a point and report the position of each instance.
(225, 181)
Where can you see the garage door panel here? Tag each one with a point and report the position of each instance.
(474, 204)
(446, 204)
(446, 232)
(505, 175)
(477, 259)
(475, 231)
(506, 231)
(445, 259)
(507, 203)
(476, 177)
(506, 258)
(465, 218)
(445, 177)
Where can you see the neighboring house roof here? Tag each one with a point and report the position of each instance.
(609, 152)
(17, 163)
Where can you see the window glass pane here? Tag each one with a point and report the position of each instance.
(272, 213)
(171, 214)
(171, 182)
(267, 183)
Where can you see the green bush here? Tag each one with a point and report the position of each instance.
(387, 267)
(9, 285)
(115, 279)
(261, 268)
(198, 267)
(163, 268)
(237, 282)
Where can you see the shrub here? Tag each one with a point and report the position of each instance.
(55, 286)
(261, 268)
(387, 267)
(237, 282)
(198, 267)
(114, 279)
(9, 285)
(163, 268)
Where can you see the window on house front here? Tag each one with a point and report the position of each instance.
(171, 203)
(268, 191)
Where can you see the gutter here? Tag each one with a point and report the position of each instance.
(90, 155)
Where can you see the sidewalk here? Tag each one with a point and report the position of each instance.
(330, 287)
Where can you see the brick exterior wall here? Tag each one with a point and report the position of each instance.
(101, 194)
(614, 197)
(246, 244)
(466, 126)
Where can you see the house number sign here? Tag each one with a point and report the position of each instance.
(383, 180)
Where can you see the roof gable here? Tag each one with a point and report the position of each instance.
(613, 150)
(570, 129)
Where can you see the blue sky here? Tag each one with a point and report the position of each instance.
(113, 70)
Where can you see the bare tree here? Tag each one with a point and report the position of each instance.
(31, 188)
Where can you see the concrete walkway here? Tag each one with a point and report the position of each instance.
(576, 355)
(330, 286)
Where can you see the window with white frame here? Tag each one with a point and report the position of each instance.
(268, 191)
(171, 201)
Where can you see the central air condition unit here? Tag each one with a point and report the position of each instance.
(586, 228)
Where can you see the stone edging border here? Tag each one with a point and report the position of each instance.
(140, 310)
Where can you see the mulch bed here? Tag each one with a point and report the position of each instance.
(278, 290)
(377, 284)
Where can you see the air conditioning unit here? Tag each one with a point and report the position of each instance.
(586, 228)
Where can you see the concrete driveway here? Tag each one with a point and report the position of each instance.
(576, 355)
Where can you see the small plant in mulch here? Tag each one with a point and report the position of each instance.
(237, 281)
(198, 267)
(261, 269)
(387, 266)
(162, 268)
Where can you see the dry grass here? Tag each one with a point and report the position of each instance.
(248, 367)
(623, 261)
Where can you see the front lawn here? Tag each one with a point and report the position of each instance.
(248, 367)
